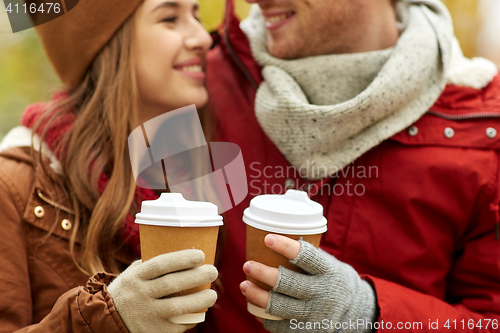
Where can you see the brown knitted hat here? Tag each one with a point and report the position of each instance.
(73, 40)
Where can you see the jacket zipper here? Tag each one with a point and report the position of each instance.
(55, 204)
(464, 116)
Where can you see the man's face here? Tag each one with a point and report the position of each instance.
(301, 28)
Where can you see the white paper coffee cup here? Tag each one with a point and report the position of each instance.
(292, 214)
(172, 223)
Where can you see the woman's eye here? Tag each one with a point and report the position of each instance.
(171, 19)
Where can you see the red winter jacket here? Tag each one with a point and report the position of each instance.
(416, 216)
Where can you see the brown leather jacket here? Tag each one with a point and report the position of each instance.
(41, 288)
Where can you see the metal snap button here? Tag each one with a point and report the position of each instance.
(289, 183)
(66, 224)
(39, 212)
(413, 130)
(491, 132)
(449, 132)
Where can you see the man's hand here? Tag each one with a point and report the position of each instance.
(269, 275)
(328, 290)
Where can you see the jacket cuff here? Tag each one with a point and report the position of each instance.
(96, 306)
(99, 281)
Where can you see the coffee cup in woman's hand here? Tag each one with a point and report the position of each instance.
(141, 293)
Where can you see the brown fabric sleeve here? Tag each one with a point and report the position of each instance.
(15, 295)
(82, 309)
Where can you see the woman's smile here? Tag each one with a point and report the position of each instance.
(192, 68)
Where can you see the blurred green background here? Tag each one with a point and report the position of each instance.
(27, 77)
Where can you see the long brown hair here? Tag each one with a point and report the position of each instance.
(105, 104)
(106, 109)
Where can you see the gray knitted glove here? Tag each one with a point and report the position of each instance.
(330, 292)
(138, 292)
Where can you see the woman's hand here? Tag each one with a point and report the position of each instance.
(138, 293)
(329, 291)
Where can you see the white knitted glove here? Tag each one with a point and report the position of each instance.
(138, 293)
(330, 292)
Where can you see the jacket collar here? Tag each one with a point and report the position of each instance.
(236, 45)
(22, 136)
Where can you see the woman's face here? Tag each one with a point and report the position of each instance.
(170, 46)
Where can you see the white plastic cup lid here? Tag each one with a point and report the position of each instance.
(172, 210)
(292, 213)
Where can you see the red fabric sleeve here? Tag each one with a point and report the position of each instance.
(473, 296)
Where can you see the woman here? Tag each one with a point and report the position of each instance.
(68, 192)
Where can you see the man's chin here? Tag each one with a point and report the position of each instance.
(283, 50)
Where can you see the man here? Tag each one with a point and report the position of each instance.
(371, 108)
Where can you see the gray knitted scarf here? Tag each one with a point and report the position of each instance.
(323, 112)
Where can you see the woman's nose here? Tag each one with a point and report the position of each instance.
(198, 38)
